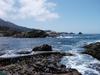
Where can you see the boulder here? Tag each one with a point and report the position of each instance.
(93, 49)
(44, 47)
(80, 33)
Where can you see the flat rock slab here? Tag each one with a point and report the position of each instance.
(39, 65)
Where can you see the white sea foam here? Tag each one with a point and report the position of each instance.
(97, 41)
(94, 41)
(65, 37)
(13, 53)
(82, 63)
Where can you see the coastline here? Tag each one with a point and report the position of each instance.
(76, 61)
(42, 63)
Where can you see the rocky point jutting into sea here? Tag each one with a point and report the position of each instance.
(43, 62)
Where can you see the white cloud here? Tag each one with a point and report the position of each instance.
(40, 10)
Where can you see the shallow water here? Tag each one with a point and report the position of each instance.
(86, 64)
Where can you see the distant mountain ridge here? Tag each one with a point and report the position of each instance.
(12, 26)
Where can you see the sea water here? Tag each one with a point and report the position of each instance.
(84, 63)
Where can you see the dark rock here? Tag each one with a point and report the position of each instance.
(93, 50)
(39, 65)
(44, 47)
(80, 33)
(35, 33)
(71, 33)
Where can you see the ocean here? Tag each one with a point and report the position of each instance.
(86, 64)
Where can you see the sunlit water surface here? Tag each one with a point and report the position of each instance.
(85, 64)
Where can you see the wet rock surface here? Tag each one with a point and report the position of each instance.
(38, 64)
(93, 49)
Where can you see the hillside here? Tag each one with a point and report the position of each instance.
(11, 26)
(10, 29)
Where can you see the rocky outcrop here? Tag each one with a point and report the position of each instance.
(80, 33)
(37, 64)
(35, 33)
(44, 47)
(53, 34)
(93, 49)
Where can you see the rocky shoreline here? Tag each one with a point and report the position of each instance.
(93, 49)
(43, 63)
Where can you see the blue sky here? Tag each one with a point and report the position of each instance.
(61, 15)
